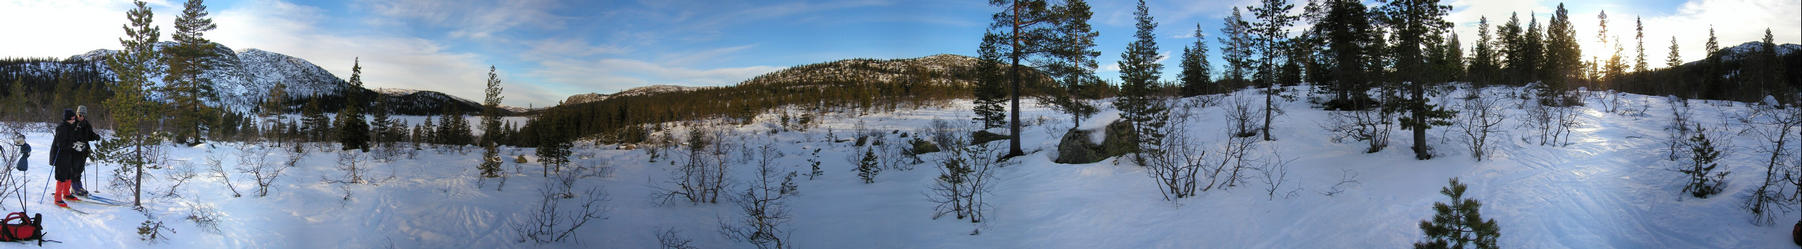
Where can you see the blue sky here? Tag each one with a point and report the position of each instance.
(546, 50)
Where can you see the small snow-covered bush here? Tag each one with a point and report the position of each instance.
(559, 213)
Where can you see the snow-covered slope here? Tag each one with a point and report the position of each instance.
(1608, 188)
(243, 79)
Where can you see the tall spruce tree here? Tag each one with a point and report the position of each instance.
(491, 126)
(1195, 75)
(130, 107)
(1513, 43)
(353, 131)
(1417, 25)
(186, 90)
(1271, 36)
(1139, 102)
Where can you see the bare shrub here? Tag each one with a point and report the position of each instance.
(216, 166)
(965, 170)
(1772, 123)
(256, 161)
(1176, 163)
(1479, 118)
(702, 175)
(765, 211)
(669, 238)
(559, 214)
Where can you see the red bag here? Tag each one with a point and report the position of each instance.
(18, 227)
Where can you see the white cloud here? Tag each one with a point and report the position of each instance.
(474, 19)
(388, 61)
(79, 26)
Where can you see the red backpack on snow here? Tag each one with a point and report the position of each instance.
(18, 227)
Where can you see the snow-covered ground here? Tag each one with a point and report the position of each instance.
(1610, 187)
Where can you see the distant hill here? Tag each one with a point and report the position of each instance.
(243, 78)
(860, 84)
(1729, 75)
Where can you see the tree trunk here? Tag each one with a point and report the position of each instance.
(1420, 119)
(1014, 129)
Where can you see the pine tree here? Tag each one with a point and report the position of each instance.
(1139, 71)
(1072, 63)
(867, 167)
(1417, 25)
(1024, 25)
(1195, 75)
(381, 122)
(1517, 65)
(1349, 39)
(314, 121)
(274, 105)
(353, 132)
(1673, 59)
(1534, 54)
(130, 108)
(491, 126)
(1459, 224)
(1271, 39)
(990, 91)
(1639, 36)
(1713, 46)
(1703, 180)
(191, 56)
(1483, 63)
(1236, 47)
(1562, 59)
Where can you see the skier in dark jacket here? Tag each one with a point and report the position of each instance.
(69, 153)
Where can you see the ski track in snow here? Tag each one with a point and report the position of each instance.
(1609, 187)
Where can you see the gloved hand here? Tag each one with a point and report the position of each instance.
(80, 146)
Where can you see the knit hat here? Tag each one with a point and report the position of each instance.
(68, 115)
(81, 110)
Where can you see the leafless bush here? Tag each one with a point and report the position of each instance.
(1275, 172)
(702, 176)
(1177, 161)
(668, 238)
(1479, 118)
(216, 166)
(1772, 123)
(1370, 125)
(1347, 178)
(1239, 116)
(179, 174)
(965, 170)
(554, 220)
(1679, 128)
(256, 161)
(204, 216)
(765, 211)
(1232, 161)
(352, 163)
(1553, 123)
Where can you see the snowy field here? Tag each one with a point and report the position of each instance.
(1610, 187)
